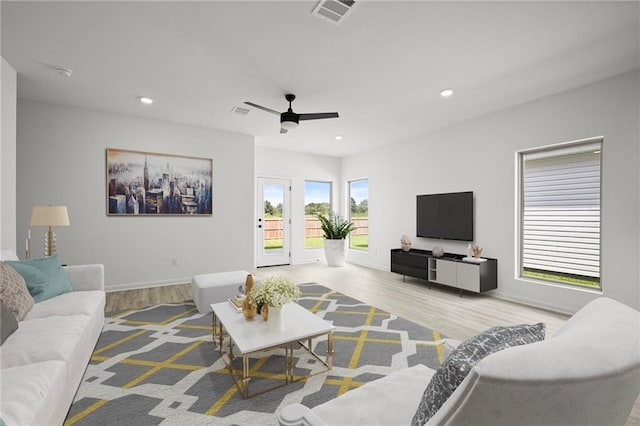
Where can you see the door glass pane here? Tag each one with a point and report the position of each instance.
(273, 218)
(317, 200)
(359, 214)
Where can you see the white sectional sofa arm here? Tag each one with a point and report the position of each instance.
(86, 277)
(299, 415)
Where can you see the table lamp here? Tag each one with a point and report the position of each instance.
(49, 216)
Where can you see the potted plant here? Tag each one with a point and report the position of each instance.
(336, 229)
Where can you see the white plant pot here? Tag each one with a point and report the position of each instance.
(335, 251)
(276, 320)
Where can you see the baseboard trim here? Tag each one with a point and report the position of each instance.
(150, 284)
(306, 261)
(368, 265)
(532, 303)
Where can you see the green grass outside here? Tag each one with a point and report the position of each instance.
(313, 242)
(273, 244)
(563, 278)
(359, 242)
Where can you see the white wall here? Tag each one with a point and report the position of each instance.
(8, 89)
(298, 167)
(61, 160)
(479, 155)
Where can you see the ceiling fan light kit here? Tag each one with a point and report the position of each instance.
(288, 125)
(289, 119)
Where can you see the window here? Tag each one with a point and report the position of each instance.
(359, 214)
(317, 200)
(273, 216)
(560, 213)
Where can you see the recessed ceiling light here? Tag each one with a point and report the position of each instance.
(338, 138)
(63, 71)
(145, 100)
(446, 93)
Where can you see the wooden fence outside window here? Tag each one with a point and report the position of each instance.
(273, 227)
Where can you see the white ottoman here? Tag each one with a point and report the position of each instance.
(216, 287)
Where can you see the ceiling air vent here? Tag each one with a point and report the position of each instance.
(333, 10)
(240, 111)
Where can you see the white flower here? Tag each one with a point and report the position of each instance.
(276, 291)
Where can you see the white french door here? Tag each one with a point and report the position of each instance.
(273, 222)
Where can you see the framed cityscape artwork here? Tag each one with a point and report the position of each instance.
(151, 184)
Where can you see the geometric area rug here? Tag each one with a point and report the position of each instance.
(159, 366)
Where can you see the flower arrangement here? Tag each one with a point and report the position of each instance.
(276, 292)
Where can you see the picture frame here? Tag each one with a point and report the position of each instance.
(141, 183)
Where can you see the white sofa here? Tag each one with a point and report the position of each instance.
(588, 373)
(44, 360)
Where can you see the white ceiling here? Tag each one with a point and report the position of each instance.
(382, 68)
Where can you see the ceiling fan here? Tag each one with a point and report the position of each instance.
(289, 119)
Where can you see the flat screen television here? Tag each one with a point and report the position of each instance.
(445, 216)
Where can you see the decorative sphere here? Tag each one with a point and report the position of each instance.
(437, 251)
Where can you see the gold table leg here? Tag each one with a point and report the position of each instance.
(245, 376)
(216, 333)
(330, 350)
(288, 364)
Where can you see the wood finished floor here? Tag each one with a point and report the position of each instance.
(436, 307)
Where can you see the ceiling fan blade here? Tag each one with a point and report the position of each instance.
(283, 130)
(262, 108)
(318, 115)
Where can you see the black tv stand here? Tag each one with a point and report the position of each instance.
(450, 270)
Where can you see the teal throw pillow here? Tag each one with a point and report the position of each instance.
(45, 277)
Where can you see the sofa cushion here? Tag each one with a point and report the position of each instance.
(13, 291)
(75, 303)
(46, 339)
(458, 365)
(8, 322)
(31, 393)
(8, 254)
(45, 277)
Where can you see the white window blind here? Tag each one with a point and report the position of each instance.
(561, 210)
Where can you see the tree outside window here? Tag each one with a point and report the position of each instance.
(359, 214)
(317, 200)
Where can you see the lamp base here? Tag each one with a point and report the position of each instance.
(50, 243)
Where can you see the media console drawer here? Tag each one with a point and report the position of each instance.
(450, 270)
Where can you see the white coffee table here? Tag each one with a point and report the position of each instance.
(248, 337)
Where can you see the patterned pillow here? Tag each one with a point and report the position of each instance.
(457, 366)
(13, 291)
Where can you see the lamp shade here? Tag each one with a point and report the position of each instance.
(49, 216)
